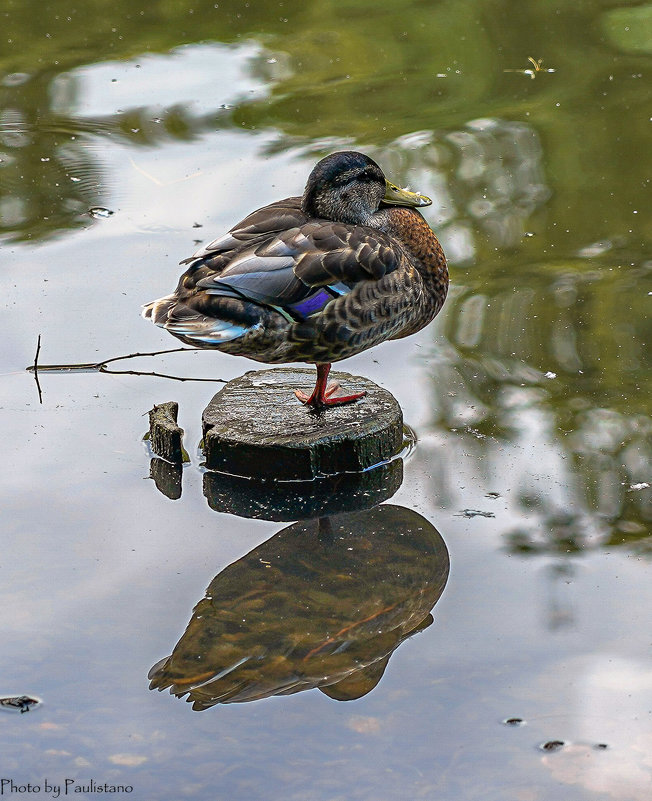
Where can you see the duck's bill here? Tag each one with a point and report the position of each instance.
(394, 196)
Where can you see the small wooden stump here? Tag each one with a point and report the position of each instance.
(165, 435)
(256, 428)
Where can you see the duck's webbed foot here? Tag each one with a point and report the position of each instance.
(324, 394)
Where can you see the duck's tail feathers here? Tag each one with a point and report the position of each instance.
(190, 324)
(157, 310)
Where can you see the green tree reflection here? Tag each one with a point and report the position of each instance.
(545, 356)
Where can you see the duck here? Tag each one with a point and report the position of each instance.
(316, 278)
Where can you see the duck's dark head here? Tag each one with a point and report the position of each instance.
(350, 187)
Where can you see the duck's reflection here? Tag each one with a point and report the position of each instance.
(323, 603)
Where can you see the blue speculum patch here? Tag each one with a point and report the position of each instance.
(312, 304)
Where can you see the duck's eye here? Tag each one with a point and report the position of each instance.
(342, 180)
(364, 177)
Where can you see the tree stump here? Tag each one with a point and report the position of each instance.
(256, 428)
(165, 436)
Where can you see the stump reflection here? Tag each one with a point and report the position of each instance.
(323, 603)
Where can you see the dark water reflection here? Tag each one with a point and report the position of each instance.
(323, 603)
(300, 500)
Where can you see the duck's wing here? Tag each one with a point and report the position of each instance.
(280, 216)
(289, 266)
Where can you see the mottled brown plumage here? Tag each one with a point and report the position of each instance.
(316, 278)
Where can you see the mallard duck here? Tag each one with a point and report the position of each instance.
(316, 278)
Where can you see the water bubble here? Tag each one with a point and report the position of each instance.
(99, 212)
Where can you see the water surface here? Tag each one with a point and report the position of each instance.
(529, 396)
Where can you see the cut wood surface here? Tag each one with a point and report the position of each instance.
(255, 427)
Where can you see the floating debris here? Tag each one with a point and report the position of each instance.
(601, 746)
(640, 486)
(549, 374)
(514, 722)
(98, 212)
(552, 745)
(474, 513)
(492, 495)
(19, 703)
(536, 67)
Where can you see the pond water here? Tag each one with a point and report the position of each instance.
(529, 396)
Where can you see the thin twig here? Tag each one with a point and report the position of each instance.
(35, 369)
(102, 369)
(101, 366)
(136, 355)
(53, 368)
(90, 367)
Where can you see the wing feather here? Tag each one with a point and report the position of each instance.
(270, 219)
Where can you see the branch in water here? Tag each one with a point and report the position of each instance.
(101, 366)
(34, 369)
(54, 368)
(102, 369)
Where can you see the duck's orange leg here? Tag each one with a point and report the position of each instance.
(325, 394)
